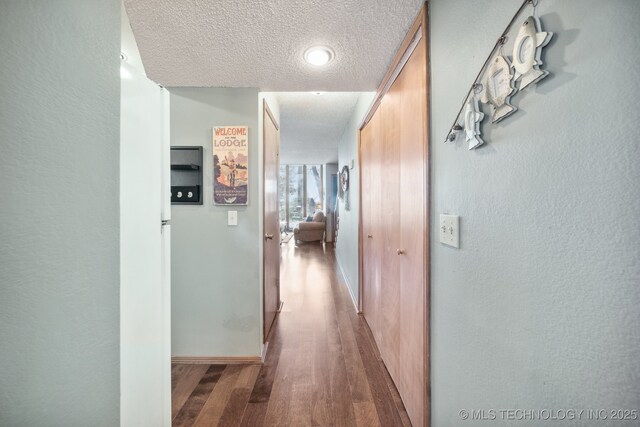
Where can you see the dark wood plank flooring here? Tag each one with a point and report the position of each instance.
(321, 369)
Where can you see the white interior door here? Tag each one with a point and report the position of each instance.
(165, 199)
(144, 288)
(166, 312)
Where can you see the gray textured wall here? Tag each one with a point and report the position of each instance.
(347, 244)
(215, 269)
(538, 309)
(59, 213)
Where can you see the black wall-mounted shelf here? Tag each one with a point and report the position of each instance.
(186, 175)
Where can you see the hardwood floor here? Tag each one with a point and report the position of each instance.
(322, 368)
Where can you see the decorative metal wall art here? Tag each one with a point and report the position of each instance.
(472, 119)
(527, 51)
(498, 88)
(344, 178)
(495, 83)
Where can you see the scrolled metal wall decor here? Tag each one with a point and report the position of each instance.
(495, 83)
(344, 179)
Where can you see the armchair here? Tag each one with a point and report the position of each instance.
(311, 231)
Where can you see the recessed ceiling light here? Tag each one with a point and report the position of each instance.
(319, 55)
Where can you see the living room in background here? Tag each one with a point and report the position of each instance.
(301, 193)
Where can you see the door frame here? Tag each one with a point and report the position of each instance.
(266, 113)
(416, 38)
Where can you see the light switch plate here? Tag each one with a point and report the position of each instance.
(232, 218)
(450, 230)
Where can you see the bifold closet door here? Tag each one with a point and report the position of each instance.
(370, 149)
(390, 240)
(369, 139)
(395, 227)
(412, 233)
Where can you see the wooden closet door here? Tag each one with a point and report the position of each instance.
(389, 220)
(271, 242)
(397, 310)
(370, 289)
(371, 140)
(376, 213)
(412, 233)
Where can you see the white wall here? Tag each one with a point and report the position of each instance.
(59, 214)
(347, 244)
(216, 269)
(538, 309)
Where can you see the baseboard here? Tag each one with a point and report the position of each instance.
(217, 360)
(346, 283)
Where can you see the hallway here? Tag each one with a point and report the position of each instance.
(321, 367)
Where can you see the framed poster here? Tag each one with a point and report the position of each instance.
(230, 165)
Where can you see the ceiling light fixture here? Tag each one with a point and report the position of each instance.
(319, 55)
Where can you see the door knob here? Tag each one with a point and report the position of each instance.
(268, 237)
(400, 251)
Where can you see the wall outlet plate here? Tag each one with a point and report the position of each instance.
(450, 230)
(232, 218)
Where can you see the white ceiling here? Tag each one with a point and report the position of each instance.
(311, 125)
(249, 43)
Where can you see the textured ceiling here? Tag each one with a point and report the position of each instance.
(249, 43)
(311, 125)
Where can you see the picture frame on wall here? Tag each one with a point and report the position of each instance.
(230, 165)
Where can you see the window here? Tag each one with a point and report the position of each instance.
(295, 192)
(300, 192)
(314, 189)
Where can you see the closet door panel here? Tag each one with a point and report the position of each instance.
(376, 215)
(370, 259)
(390, 216)
(412, 233)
